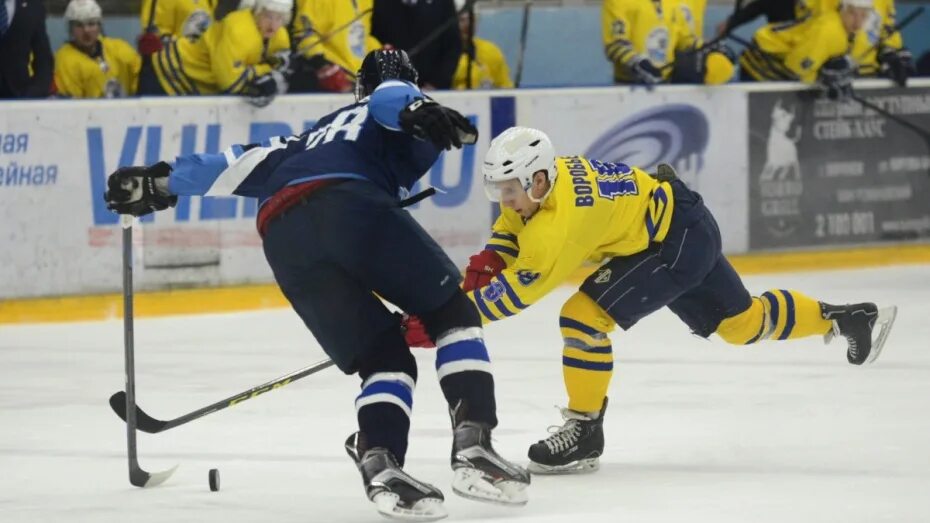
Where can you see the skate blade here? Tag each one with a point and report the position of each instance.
(473, 484)
(427, 509)
(884, 322)
(582, 466)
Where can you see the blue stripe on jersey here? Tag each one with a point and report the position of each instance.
(510, 292)
(389, 99)
(569, 323)
(505, 250)
(194, 174)
(505, 236)
(394, 388)
(789, 314)
(503, 308)
(587, 365)
(472, 349)
(483, 307)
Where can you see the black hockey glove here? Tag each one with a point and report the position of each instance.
(836, 75)
(139, 190)
(897, 64)
(688, 67)
(265, 88)
(442, 126)
(644, 72)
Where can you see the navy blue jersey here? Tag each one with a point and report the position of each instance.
(359, 141)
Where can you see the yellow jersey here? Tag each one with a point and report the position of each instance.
(878, 27)
(226, 59)
(178, 18)
(692, 11)
(112, 72)
(595, 211)
(338, 29)
(795, 50)
(488, 68)
(654, 29)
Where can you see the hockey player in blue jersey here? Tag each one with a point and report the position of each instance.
(334, 234)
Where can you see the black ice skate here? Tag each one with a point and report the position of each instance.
(857, 323)
(395, 493)
(481, 473)
(573, 448)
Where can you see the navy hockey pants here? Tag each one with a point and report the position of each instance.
(344, 243)
(686, 272)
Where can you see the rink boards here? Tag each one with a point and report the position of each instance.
(782, 171)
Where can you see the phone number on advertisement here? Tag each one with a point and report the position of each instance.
(844, 224)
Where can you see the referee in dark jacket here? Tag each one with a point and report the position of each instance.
(405, 24)
(26, 62)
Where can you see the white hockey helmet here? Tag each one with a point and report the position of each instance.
(246, 4)
(83, 11)
(284, 7)
(516, 154)
(863, 4)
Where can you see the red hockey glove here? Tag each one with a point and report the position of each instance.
(415, 332)
(149, 44)
(481, 268)
(334, 79)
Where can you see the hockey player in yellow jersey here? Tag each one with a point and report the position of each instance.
(642, 37)
(488, 65)
(659, 246)
(177, 18)
(237, 55)
(812, 49)
(90, 65)
(878, 48)
(331, 37)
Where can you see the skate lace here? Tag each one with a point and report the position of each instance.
(563, 437)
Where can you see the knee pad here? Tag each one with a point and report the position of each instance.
(390, 354)
(457, 313)
(585, 322)
(746, 327)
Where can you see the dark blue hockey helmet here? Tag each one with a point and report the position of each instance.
(380, 65)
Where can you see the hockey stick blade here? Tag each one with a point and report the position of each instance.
(884, 322)
(141, 478)
(144, 422)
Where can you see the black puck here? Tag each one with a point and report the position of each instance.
(214, 480)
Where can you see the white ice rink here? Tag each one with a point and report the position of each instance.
(697, 431)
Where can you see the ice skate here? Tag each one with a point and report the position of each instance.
(573, 448)
(857, 323)
(481, 473)
(395, 493)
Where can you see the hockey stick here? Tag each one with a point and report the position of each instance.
(325, 38)
(151, 24)
(923, 133)
(151, 425)
(137, 476)
(521, 51)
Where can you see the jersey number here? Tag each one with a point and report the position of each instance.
(348, 122)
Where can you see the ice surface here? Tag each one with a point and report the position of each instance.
(697, 431)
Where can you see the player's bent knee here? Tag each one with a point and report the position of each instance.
(457, 313)
(746, 327)
(583, 319)
(389, 354)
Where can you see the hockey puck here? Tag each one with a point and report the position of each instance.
(214, 480)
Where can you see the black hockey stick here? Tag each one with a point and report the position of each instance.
(151, 425)
(137, 476)
(923, 133)
(521, 51)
